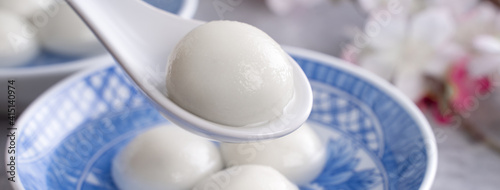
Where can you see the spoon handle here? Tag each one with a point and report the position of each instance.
(129, 29)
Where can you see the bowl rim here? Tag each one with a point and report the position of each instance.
(391, 91)
(187, 10)
(395, 94)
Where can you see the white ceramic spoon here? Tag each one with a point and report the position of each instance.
(140, 37)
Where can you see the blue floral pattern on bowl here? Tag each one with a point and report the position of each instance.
(68, 139)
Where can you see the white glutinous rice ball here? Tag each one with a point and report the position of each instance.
(165, 158)
(66, 34)
(246, 177)
(300, 156)
(18, 41)
(24, 8)
(230, 73)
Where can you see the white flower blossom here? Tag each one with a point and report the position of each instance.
(408, 50)
(479, 32)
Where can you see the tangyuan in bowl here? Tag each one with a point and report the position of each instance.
(375, 137)
(43, 42)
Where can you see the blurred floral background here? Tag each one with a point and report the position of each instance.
(442, 54)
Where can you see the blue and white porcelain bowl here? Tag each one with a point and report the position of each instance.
(47, 69)
(377, 138)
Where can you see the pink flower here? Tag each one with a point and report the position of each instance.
(458, 94)
(440, 53)
(463, 88)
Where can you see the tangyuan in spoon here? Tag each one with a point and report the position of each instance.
(225, 80)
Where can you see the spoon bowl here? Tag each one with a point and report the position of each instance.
(141, 37)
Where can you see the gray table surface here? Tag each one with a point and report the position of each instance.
(463, 163)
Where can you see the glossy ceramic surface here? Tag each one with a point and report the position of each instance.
(48, 68)
(377, 138)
